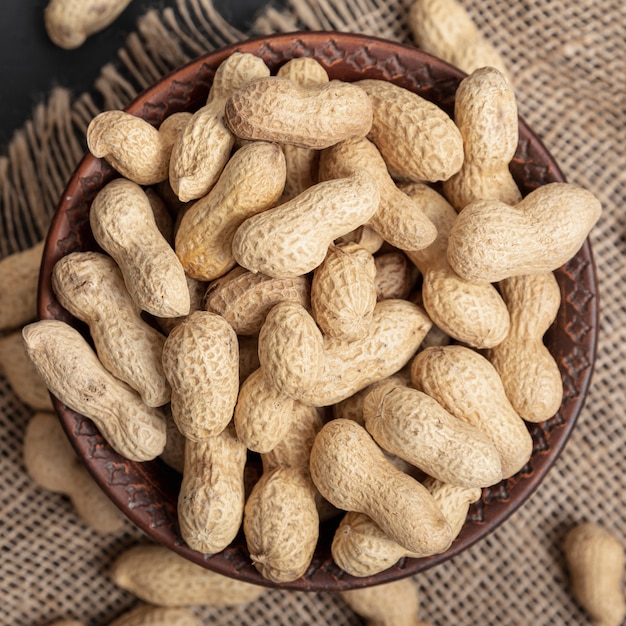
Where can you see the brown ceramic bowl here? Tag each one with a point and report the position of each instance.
(147, 492)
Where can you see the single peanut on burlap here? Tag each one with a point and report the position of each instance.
(52, 463)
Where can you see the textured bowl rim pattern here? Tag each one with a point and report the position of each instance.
(146, 492)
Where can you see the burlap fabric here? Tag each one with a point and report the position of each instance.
(568, 61)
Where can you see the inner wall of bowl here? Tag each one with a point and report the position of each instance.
(147, 492)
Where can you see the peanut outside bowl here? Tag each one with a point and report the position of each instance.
(147, 492)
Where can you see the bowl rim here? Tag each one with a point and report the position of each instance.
(113, 473)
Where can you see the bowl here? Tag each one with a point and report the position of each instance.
(147, 492)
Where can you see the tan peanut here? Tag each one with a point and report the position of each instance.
(21, 373)
(473, 313)
(466, 384)
(281, 524)
(244, 299)
(134, 147)
(301, 162)
(291, 349)
(365, 236)
(52, 463)
(123, 224)
(163, 215)
(156, 616)
(445, 29)
(491, 240)
(485, 111)
(201, 362)
(69, 23)
(362, 549)
(352, 473)
(91, 287)
(417, 139)
(211, 497)
(395, 276)
(343, 292)
(250, 183)
(398, 220)
(73, 373)
(204, 147)
(390, 604)
(410, 424)
(262, 414)
(292, 239)
(396, 331)
(595, 560)
(160, 576)
(530, 375)
(197, 289)
(19, 277)
(312, 116)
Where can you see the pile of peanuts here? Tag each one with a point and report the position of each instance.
(342, 279)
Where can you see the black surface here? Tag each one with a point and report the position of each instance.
(30, 64)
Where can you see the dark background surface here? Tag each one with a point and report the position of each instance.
(30, 64)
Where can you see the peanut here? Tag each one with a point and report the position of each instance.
(204, 147)
(302, 163)
(362, 549)
(398, 220)
(19, 276)
(395, 276)
(91, 287)
(343, 292)
(313, 116)
(70, 22)
(412, 425)
(21, 373)
(485, 111)
(292, 239)
(132, 146)
(365, 236)
(160, 576)
(73, 373)
(262, 414)
(468, 386)
(390, 604)
(251, 182)
(351, 472)
(446, 30)
(244, 299)
(211, 497)
(51, 462)
(530, 375)
(491, 240)
(417, 139)
(156, 616)
(197, 289)
(473, 313)
(291, 349)
(396, 332)
(281, 524)
(595, 559)
(123, 224)
(201, 363)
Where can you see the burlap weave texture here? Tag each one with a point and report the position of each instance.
(568, 61)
